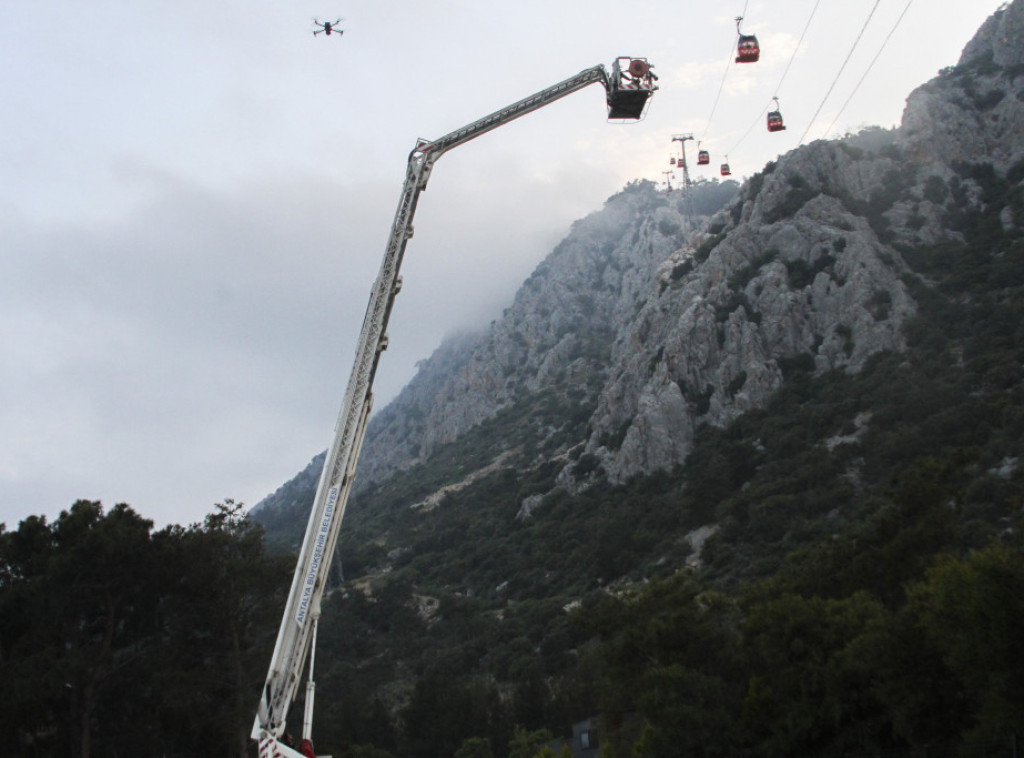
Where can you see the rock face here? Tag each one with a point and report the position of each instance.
(974, 112)
(648, 321)
(556, 335)
(708, 347)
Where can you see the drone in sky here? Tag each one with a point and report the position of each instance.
(328, 27)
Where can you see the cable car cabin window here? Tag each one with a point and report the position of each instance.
(775, 122)
(703, 158)
(747, 49)
(725, 170)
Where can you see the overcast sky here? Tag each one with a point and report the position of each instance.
(195, 198)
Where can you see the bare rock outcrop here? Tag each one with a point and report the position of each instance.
(653, 321)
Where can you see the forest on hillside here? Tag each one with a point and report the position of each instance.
(862, 592)
(886, 639)
(851, 498)
(858, 590)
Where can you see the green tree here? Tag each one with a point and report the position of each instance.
(443, 712)
(118, 641)
(924, 700)
(474, 747)
(218, 632)
(80, 630)
(672, 654)
(527, 744)
(972, 610)
(808, 691)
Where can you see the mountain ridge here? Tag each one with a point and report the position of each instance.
(698, 468)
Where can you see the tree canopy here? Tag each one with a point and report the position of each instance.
(118, 640)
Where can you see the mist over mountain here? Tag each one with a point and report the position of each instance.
(790, 399)
(736, 473)
(556, 339)
(652, 319)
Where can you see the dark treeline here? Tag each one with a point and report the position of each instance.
(884, 639)
(117, 640)
(862, 598)
(784, 668)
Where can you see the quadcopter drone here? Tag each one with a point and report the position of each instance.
(328, 27)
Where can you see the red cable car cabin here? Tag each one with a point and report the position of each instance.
(703, 157)
(726, 171)
(775, 122)
(775, 118)
(747, 49)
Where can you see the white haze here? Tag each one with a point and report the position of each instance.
(194, 199)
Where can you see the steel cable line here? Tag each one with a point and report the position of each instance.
(797, 48)
(781, 79)
(750, 128)
(840, 73)
(868, 70)
(721, 86)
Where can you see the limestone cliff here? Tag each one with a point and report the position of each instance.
(648, 320)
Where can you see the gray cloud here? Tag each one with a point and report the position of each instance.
(194, 200)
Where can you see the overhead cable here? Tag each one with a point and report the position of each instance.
(782, 78)
(840, 73)
(751, 127)
(721, 85)
(868, 70)
(797, 48)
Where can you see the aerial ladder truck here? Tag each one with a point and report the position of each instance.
(628, 87)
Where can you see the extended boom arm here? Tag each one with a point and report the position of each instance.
(628, 89)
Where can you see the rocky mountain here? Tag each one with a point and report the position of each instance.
(555, 339)
(647, 322)
(556, 335)
(674, 329)
(790, 400)
(650, 322)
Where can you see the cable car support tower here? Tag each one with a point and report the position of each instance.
(628, 88)
(687, 184)
(681, 139)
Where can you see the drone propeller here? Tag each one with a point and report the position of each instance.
(328, 26)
